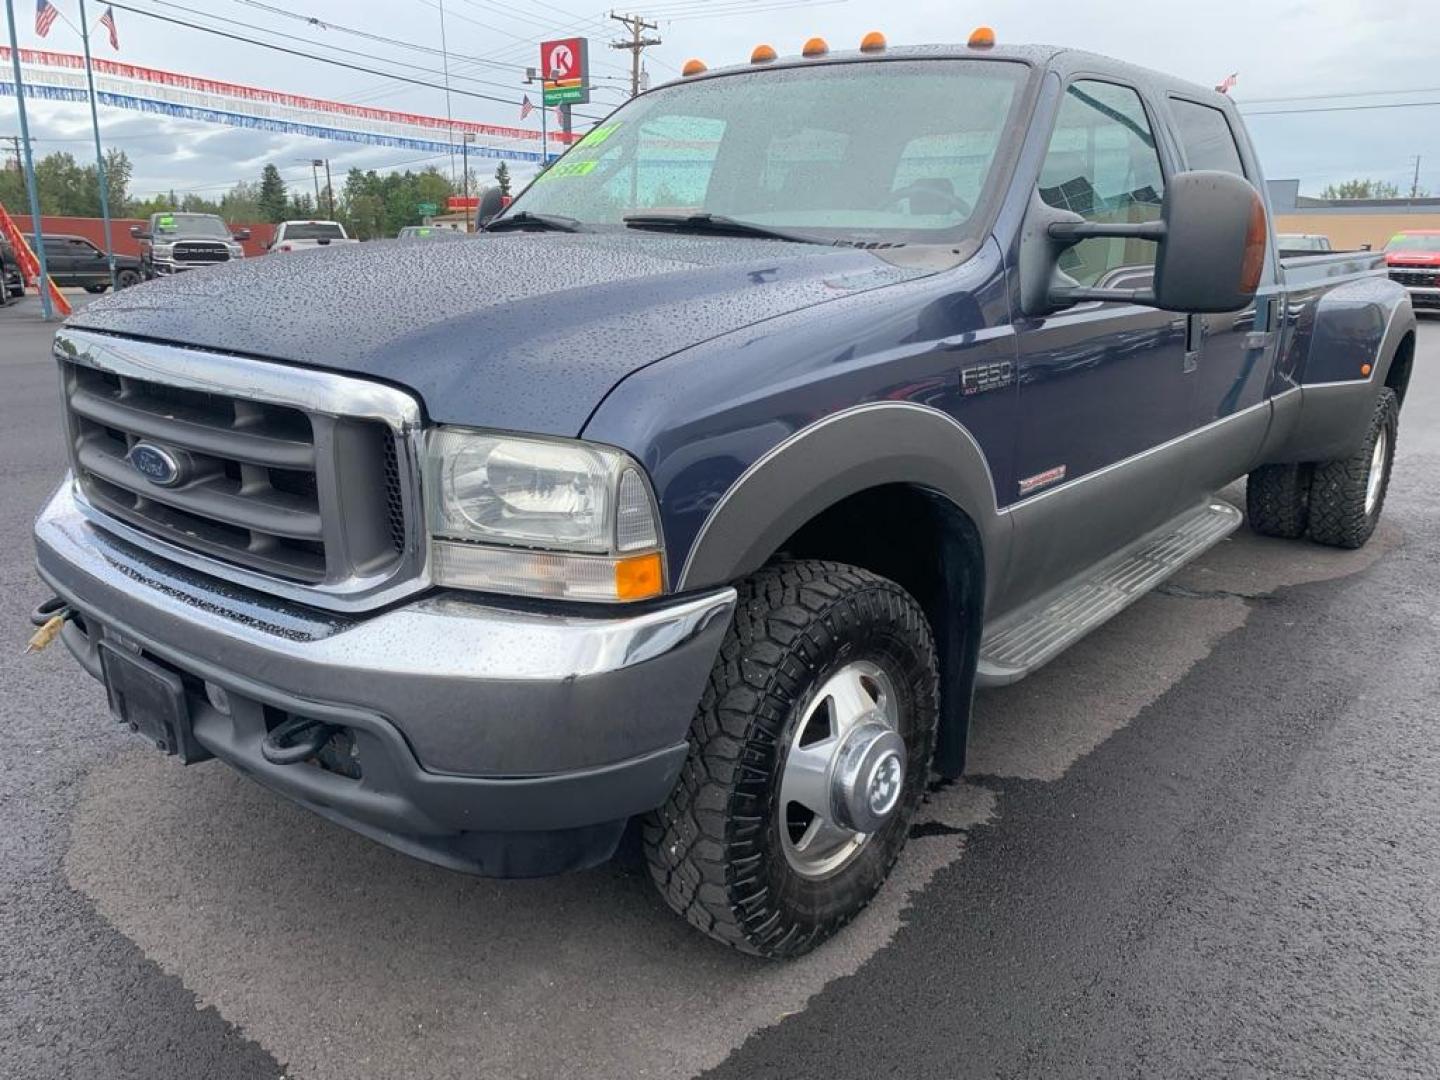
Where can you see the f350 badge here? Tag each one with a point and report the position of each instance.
(982, 377)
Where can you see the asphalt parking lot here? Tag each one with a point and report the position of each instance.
(1204, 842)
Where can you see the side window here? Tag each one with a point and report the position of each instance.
(1102, 164)
(1206, 136)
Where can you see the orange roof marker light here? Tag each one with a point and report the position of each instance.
(815, 47)
(874, 41)
(693, 67)
(763, 54)
(982, 37)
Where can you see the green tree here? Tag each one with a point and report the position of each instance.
(242, 203)
(273, 202)
(502, 177)
(1361, 189)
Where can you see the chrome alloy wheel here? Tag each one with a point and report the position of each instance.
(844, 771)
(1377, 471)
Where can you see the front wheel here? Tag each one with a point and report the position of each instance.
(96, 290)
(124, 279)
(809, 754)
(1347, 496)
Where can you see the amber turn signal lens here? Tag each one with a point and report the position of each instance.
(638, 578)
(763, 54)
(874, 41)
(693, 67)
(1257, 235)
(982, 37)
(1365, 370)
(815, 47)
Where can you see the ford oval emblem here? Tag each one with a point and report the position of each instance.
(155, 463)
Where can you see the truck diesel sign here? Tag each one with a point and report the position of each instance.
(565, 71)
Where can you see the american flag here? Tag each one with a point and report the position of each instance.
(45, 15)
(1228, 83)
(108, 21)
(526, 107)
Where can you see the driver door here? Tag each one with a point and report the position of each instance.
(1102, 385)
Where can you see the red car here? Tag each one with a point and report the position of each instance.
(1413, 257)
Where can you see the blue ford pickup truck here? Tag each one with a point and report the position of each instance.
(703, 488)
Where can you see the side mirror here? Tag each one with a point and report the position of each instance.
(491, 203)
(241, 234)
(1366, 247)
(1212, 235)
(138, 233)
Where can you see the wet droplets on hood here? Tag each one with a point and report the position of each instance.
(526, 331)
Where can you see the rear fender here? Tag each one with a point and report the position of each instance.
(1357, 332)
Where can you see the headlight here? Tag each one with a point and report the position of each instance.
(162, 250)
(236, 251)
(540, 517)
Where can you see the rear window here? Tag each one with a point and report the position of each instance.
(314, 230)
(1206, 136)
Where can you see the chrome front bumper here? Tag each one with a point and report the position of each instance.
(482, 718)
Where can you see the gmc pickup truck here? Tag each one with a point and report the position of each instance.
(304, 235)
(747, 442)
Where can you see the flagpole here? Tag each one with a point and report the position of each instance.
(29, 166)
(544, 144)
(99, 154)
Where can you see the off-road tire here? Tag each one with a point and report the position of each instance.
(1338, 517)
(714, 848)
(1277, 500)
(126, 279)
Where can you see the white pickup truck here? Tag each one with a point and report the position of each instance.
(302, 235)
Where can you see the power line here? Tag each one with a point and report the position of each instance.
(1338, 108)
(308, 56)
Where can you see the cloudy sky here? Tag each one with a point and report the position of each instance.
(1312, 54)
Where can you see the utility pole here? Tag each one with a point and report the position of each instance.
(329, 190)
(1415, 183)
(30, 189)
(637, 42)
(16, 140)
(315, 164)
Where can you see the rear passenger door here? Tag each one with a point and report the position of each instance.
(1235, 351)
(1101, 384)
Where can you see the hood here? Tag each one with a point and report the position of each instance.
(1413, 258)
(518, 331)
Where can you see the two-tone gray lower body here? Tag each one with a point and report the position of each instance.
(492, 739)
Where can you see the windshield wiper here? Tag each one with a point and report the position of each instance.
(716, 224)
(524, 219)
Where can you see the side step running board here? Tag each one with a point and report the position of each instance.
(1039, 631)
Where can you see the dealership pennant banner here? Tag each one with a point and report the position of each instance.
(61, 77)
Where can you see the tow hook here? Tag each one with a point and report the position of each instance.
(49, 617)
(296, 739)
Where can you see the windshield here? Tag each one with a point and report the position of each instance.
(894, 151)
(1415, 242)
(173, 225)
(314, 230)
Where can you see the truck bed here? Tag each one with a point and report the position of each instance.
(1301, 271)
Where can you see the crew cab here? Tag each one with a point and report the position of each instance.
(75, 262)
(1413, 260)
(302, 235)
(747, 442)
(172, 243)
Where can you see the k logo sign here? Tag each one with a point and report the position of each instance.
(564, 67)
(562, 62)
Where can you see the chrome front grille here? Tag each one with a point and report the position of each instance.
(1418, 278)
(199, 252)
(302, 482)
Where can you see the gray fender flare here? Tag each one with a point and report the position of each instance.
(843, 454)
(1334, 414)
